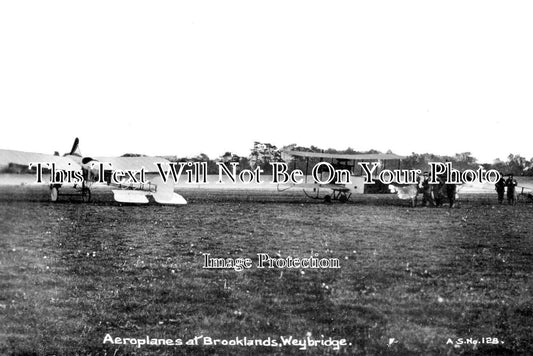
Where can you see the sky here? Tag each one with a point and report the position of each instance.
(189, 77)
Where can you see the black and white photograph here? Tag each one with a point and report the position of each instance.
(266, 178)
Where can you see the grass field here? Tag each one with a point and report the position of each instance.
(71, 273)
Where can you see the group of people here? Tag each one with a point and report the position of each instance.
(510, 183)
(436, 194)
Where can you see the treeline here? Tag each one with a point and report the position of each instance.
(515, 164)
(262, 154)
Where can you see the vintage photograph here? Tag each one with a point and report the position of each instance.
(266, 178)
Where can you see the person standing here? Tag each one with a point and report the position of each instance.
(438, 191)
(427, 191)
(511, 184)
(500, 189)
(451, 191)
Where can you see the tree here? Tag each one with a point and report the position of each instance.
(229, 157)
(262, 154)
(516, 164)
(464, 160)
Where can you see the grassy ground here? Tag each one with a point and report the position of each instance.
(71, 273)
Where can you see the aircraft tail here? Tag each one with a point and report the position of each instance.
(75, 151)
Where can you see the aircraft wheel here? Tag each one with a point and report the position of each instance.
(343, 198)
(327, 199)
(53, 194)
(86, 195)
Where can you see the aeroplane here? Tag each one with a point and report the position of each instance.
(126, 190)
(340, 192)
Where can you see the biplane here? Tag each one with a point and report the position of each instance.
(346, 162)
(125, 191)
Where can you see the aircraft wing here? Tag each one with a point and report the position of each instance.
(163, 194)
(133, 163)
(9, 158)
(349, 157)
(130, 196)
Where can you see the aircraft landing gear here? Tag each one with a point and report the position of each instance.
(338, 193)
(343, 198)
(342, 195)
(82, 191)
